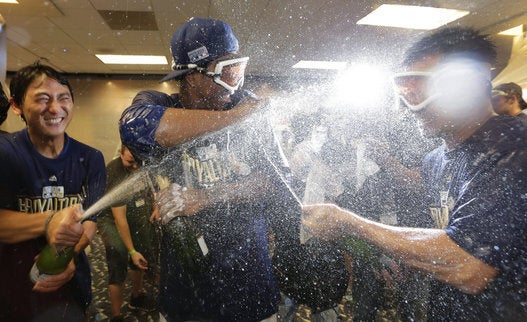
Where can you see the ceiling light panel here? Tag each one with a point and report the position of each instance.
(411, 17)
(133, 59)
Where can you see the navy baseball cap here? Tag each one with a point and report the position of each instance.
(198, 42)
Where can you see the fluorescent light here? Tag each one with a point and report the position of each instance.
(312, 64)
(9, 1)
(411, 17)
(514, 31)
(133, 59)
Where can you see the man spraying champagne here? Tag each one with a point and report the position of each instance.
(44, 175)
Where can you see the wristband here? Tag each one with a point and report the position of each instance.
(133, 251)
(46, 223)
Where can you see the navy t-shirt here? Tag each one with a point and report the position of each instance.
(239, 284)
(478, 194)
(32, 183)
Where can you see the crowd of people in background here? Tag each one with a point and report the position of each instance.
(418, 209)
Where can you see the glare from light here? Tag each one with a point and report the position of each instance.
(411, 17)
(9, 1)
(313, 64)
(514, 31)
(133, 59)
(362, 86)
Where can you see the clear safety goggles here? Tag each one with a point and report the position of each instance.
(455, 82)
(413, 89)
(497, 93)
(228, 73)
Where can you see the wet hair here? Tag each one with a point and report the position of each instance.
(25, 76)
(453, 41)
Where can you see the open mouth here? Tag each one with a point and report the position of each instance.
(54, 121)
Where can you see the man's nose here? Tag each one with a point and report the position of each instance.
(54, 106)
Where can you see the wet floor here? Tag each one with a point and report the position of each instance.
(99, 310)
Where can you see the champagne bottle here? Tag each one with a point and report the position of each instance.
(51, 261)
(188, 246)
(186, 240)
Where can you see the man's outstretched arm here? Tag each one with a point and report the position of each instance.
(178, 125)
(430, 250)
(61, 227)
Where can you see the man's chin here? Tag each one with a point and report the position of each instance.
(428, 130)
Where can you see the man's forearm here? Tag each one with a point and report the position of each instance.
(430, 250)
(191, 124)
(18, 226)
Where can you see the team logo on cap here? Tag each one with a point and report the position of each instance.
(198, 54)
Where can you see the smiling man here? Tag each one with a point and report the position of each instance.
(476, 185)
(44, 175)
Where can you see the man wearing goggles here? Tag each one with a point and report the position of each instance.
(228, 73)
(445, 94)
(507, 99)
(217, 179)
(473, 183)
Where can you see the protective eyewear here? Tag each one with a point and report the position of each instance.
(497, 93)
(413, 89)
(228, 73)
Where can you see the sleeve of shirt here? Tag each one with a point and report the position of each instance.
(139, 122)
(489, 221)
(113, 177)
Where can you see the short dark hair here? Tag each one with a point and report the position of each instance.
(453, 40)
(26, 75)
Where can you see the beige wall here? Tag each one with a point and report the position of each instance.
(99, 102)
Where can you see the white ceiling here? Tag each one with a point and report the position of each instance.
(274, 33)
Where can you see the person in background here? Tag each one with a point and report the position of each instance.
(219, 181)
(126, 230)
(317, 176)
(507, 99)
(4, 107)
(45, 175)
(474, 182)
(390, 196)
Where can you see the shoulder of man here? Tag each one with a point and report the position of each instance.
(505, 133)
(115, 163)
(153, 97)
(83, 148)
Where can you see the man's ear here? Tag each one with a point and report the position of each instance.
(16, 109)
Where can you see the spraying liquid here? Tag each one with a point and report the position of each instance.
(143, 178)
(54, 260)
(135, 183)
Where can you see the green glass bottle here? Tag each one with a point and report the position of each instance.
(187, 241)
(51, 261)
(188, 246)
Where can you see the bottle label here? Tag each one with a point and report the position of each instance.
(203, 245)
(35, 275)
